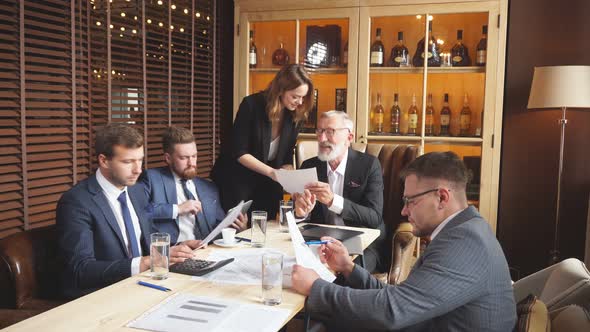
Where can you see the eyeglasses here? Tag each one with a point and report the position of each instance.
(410, 199)
(328, 131)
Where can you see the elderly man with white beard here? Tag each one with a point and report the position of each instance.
(349, 190)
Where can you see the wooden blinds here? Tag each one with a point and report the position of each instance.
(68, 67)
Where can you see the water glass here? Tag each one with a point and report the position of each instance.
(285, 206)
(159, 255)
(272, 278)
(258, 229)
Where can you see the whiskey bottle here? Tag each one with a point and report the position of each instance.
(413, 118)
(280, 56)
(445, 117)
(482, 47)
(465, 118)
(399, 53)
(253, 54)
(378, 115)
(460, 53)
(345, 55)
(377, 50)
(429, 119)
(396, 113)
(433, 51)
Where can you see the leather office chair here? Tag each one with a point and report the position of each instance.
(393, 158)
(29, 274)
(404, 253)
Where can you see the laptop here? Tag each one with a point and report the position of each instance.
(315, 232)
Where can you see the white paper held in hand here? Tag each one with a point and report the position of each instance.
(303, 254)
(294, 181)
(226, 222)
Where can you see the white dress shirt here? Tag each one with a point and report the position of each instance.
(112, 193)
(336, 181)
(186, 222)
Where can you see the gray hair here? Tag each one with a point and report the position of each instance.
(348, 123)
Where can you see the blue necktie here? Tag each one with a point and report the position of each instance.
(199, 233)
(131, 239)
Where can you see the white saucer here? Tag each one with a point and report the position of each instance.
(220, 243)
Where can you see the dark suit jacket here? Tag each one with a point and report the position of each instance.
(161, 191)
(460, 283)
(362, 191)
(91, 244)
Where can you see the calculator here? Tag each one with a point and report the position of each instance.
(198, 267)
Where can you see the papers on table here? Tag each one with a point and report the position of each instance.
(246, 269)
(186, 312)
(294, 181)
(303, 253)
(228, 220)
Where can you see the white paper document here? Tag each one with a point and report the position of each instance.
(228, 220)
(294, 181)
(186, 312)
(303, 254)
(246, 269)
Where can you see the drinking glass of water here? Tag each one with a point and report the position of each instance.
(258, 229)
(272, 278)
(285, 206)
(159, 255)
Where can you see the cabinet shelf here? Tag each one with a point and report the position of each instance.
(392, 138)
(431, 70)
(337, 70)
(454, 140)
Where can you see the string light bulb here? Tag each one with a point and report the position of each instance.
(173, 6)
(149, 21)
(186, 10)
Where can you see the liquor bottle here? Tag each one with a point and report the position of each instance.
(445, 117)
(433, 51)
(396, 114)
(460, 53)
(280, 56)
(377, 50)
(482, 47)
(378, 115)
(253, 54)
(465, 118)
(400, 56)
(345, 55)
(413, 118)
(429, 119)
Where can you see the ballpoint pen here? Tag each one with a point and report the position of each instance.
(243, 239)
(317, 242)
(147, 284)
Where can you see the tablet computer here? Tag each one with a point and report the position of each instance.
(315, 232)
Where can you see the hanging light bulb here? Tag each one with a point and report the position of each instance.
(134, 31)
(123, 14)
(149, 21)
(173, 6)
(186, 10)
(198, 14)
(98, 23)
(181, 29)
(161, 24)
(160, 2)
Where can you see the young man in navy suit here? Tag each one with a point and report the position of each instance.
(349, 190)
(103, 231)
(181, 204)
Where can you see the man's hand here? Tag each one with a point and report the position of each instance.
(179, 253)
(192, 244)
(144, 263)
(304, 203)
(322, 192)
(241, 222)
(190, 206)
(302, 279)
(335, 254)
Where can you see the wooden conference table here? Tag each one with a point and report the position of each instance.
(112, 307)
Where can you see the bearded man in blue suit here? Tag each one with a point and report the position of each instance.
(181, 204)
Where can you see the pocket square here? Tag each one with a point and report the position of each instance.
(353, 184)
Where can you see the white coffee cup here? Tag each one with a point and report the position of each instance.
(228, 235)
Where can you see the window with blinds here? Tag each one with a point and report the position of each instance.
(68, 67)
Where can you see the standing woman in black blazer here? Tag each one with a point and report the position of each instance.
(263, 137)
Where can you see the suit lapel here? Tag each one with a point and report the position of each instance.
(349, 173)
(99, 198)
(169, 186)
(322, 170)
(266, 135)
(135, 195)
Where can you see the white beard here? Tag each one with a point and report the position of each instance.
(337, 150)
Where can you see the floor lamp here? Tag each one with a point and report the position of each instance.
(560, 87)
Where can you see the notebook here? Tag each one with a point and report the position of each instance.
(315, 232)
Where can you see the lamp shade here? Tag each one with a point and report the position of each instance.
(560, 86)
